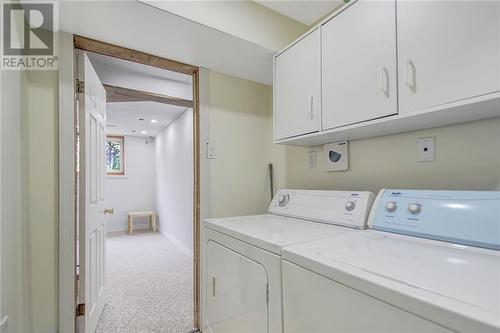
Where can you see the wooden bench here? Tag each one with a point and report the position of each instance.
(132, 215)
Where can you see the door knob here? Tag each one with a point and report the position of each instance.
(108, 211)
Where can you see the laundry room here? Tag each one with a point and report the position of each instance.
(250, 166)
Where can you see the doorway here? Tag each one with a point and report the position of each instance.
(141, 119)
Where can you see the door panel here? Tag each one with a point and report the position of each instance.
(297, 99)
(359, 64)
(92, 230)
(448, 51)
(236, 292)
(313, 303)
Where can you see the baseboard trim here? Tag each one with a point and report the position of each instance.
(125, 228)
(177, 243)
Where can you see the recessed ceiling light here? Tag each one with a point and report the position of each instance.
(154, 120)
(144, 132)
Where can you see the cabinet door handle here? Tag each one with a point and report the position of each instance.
(411, 76)
(384, 81)
(213, 287)
(311, 109)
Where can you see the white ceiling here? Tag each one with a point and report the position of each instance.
(141, 27)
(306, 12)
(123, 118)
(129, 66)
(127, 74)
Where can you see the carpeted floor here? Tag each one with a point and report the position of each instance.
(150, 285)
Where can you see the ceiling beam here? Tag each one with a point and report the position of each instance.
(120, 94)
(92, 45)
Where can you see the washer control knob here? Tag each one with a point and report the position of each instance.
(391, 206)
(283, 199)
(414, 208)
(350, 205)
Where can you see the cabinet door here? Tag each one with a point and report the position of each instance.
(236, 292)
(359, 64)
(297, 102)
(448, 51)
(315, 304)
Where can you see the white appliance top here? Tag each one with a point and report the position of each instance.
(452, 284)
(294, 217)
(271, 232)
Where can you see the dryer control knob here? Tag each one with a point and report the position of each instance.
(414, 208)
(283, 199)
(391, 206)
(350, 205)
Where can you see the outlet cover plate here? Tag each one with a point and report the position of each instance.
(425, 149)
(312, 159)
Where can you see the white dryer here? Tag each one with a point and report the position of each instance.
(241, 268)
(430, 264)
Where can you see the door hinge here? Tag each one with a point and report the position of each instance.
(80, 310)
(80, 87)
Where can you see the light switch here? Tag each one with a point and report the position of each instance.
(211, 151)
(312, 159)
(425, 149)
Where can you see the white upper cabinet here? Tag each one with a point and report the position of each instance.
(448, 51)
(359, 79)
(297, 103)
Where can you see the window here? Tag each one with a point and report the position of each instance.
(115, 152)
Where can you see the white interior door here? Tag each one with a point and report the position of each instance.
(92, 232)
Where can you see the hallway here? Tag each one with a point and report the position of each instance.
(149, 281)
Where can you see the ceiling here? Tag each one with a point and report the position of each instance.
(306, 12)
(123, 118)
(129, 66)
(132, 75)
(141, 27)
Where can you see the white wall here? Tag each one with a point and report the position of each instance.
(244, 19)
(174, 174)
(40, 135)
(13, 238)
(240, 121)
(467, 158)
(135, 191)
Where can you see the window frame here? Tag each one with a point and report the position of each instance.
(121, 139)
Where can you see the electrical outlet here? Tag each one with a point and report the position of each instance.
(425, 149)
(312, 159)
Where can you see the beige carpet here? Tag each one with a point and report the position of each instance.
(150, 285)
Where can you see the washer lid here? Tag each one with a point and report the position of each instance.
(454, 277)
(271, 232)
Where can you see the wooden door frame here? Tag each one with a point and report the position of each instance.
(67, 162)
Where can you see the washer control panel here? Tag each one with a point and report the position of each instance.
(465, 217)
(333, 207)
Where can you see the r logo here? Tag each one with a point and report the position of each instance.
(28, 29)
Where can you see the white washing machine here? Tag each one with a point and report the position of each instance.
(241, 274)
(430, 264)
